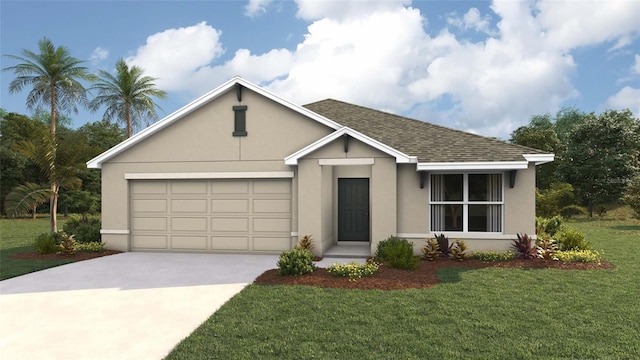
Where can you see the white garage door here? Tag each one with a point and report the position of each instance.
(211, 215)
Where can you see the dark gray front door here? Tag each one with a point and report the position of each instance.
(353, 209)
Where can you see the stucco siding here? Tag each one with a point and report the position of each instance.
(413, 202)
(383, 200)
(520, 203)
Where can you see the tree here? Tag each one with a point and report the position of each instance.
(127, 96)
(54, 76)
(540, 134)
(602, 156)
(632, 196)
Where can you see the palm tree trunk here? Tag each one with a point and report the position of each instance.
(53, 208)
(53, 204)
(128, 116)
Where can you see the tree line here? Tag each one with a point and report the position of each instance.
(597, 160)
(60, 82)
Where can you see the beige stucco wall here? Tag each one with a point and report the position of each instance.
(520, 203)
(202, 142)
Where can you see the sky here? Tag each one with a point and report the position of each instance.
(478, 66)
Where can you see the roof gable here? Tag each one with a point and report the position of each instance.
(97, 162)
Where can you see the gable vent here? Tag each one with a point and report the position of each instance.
(240, 121)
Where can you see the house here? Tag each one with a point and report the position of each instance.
(243, 170)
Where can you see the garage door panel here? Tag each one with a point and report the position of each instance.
(149, 205)
(230, 224)
(271, 225)
(270, 243)
(189, 206)
(237, 243)
(220, 206)
(188, 242)
(150, 242)
(189, 224)
(149, 187)
(149, 224)
(189, 187)
(272, 206)
(230, 187)
(271, 187)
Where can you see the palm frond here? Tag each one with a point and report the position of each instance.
(24, 198)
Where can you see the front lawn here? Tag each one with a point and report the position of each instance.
(18, 235)
(473, 313)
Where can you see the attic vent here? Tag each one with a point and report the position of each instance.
(240, 121)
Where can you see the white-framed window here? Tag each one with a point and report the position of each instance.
(466, 202)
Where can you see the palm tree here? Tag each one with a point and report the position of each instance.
(54, 76)
(127, 96)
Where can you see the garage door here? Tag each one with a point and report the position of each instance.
(211, 215)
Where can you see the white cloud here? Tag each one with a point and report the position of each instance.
(344, 9)
(626, 98)
(256, 7)
(175, 55)
(472, 20)
(98, 55)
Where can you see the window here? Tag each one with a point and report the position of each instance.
(240, 121)
(466, 202)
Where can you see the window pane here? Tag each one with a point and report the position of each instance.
(446, 217)
(485, 187)
(446, 187)
(485, 218)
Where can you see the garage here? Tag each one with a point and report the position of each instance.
(232, 215)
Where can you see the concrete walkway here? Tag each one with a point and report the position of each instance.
(125, 306)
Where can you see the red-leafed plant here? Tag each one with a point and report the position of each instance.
(524, 247)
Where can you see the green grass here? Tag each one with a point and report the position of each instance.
(18, 235)
(489, 313)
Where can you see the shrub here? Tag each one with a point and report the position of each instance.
(589, 256)
(83, 229)
(524, 248)
(67, 245)
(458, 250)
(397, 254)
(492, 255)
(570, 239)
(547, 247)
(430, 250)
(573, 210)
(548, 225)
(90, 247)
(354, 270)
(46, 244)
(296, 262)
(305, 243)
(443, 245)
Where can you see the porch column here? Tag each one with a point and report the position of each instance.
(383, 201)
(310, 202)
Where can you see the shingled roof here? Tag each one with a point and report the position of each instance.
(430, 143)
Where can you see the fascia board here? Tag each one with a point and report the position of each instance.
(471, 166)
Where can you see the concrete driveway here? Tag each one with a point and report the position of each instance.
(125, 306)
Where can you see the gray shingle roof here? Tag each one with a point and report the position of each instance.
(429, 142)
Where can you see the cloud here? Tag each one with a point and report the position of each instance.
(98, 55)
(256, 7)
(626, 98)
(472, 20)
(175, 55)
(342, 10)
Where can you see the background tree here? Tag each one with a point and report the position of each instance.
(54, 76)
(127, 96)
(602, 157)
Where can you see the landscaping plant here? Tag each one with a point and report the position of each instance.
(306, 243)
(397, 254)
(492, 255)
(46, 244)
(430, 250)
(546, 247)
(524, 247)
(296, 262)
(67, 245)
(83, 229)
(570, 239)
(354, 270)
(443, 245)
(458, 250)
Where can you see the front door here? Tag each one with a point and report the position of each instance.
(353, 209)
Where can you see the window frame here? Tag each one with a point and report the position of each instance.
(466, 202)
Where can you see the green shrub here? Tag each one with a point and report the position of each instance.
(90, 247)
(354, 270)
(430, 250)
(589, 256)
(296, 262)
(574, 210)
(397, 254)
(570, 239)
(85, 229)
(68, 244)
(492, 255)
(46, 244)
(458, 250)
(548, 225)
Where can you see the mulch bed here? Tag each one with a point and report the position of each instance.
(34, 255)
(424, 277)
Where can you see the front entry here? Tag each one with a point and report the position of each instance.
(353, 209)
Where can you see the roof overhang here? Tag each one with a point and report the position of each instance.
(472, 166)
(400, 157)
(539, 159)
(96, 163)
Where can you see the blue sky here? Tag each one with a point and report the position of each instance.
(478, 66)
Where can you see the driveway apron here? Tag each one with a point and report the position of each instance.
(124, 306)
